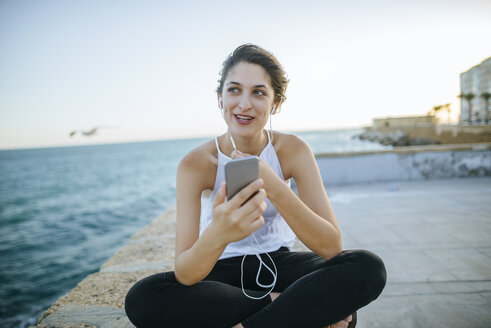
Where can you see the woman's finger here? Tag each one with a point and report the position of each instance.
(221, 195)
(239, 199)
(255, 206)
(237, 154)
(256, 224)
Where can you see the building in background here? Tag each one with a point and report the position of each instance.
(435, 127)
(398, 122)
(475, 94)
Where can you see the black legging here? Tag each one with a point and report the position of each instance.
(315, 293)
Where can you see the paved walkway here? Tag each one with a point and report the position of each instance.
(435, 239)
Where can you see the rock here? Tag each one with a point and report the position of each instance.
(398, 138)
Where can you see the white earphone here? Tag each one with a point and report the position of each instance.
(262, 264)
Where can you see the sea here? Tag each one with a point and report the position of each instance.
(65, 210)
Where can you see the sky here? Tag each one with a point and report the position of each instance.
(148, 70)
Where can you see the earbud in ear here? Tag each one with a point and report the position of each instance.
(274, 108)
(220, 103)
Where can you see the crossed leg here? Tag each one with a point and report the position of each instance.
(314, 293)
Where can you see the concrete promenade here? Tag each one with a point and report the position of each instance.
(433, 235)
(435, 239)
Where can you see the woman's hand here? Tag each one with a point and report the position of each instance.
(269, 176)
(233, 220)
(238, 154)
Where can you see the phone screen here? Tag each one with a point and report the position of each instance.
(239, 173)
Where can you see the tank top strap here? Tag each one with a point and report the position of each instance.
(269, 136)
(216, 143)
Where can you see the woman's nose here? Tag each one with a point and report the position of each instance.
(245, 102)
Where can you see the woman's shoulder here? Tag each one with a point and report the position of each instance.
(286, 143)
(201, 158)
(291, 152)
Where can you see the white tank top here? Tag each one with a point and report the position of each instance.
(275, 232)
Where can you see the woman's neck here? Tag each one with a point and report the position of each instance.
(253, 145)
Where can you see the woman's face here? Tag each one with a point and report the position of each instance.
(247, 98)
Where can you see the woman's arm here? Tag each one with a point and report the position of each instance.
(311, 216)
(193, 259)
(196, 255)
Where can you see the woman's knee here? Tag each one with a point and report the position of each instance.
(134, 302)
(131, 303)
(140, 300)
(371, 270)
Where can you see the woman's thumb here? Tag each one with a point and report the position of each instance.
(220, 196)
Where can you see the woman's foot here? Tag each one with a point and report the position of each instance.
(274, 296)
(348, 322)
(353, 321)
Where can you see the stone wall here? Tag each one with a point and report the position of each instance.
(406, 163)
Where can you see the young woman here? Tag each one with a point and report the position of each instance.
(214, 283)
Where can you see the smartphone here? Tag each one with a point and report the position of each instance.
(239, 173)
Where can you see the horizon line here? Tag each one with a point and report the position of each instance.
(101, 143)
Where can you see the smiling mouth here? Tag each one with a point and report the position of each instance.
(244, 119)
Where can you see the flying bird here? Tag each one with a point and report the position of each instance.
(88, 133)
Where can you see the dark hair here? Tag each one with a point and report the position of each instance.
(253, 54)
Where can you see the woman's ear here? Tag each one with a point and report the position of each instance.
(220, 102)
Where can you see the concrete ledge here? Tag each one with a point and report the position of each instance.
(98, 300)
(406, 164)
(87, 317)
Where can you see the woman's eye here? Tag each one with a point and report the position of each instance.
(233, 90)
(260, 92)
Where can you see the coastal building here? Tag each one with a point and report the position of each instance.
(424, 130)
(475, 94)
(405, 121)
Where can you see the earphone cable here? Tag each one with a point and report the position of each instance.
(261, 262)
